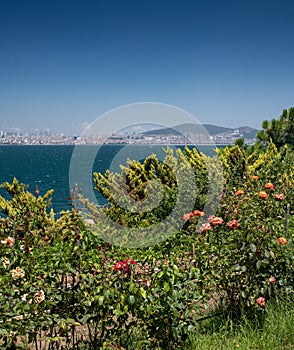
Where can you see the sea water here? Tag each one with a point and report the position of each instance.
(47, 167)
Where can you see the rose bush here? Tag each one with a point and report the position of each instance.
(62, 286)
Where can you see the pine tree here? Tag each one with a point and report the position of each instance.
(280, 131)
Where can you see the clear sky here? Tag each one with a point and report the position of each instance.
(65, 62)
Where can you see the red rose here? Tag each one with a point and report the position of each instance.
(123, 264)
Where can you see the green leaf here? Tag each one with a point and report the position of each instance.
(166, 286)
(143, 292)
(267, 253)
(106, 293)
(101, 300)
(243, 294)
(253, 247)
(132, 287)
(132, 299)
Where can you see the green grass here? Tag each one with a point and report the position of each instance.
(276, 332)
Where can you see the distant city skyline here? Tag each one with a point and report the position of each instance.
(190, 134)
(65, 63)
(130, 131)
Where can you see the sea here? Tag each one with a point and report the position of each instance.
(45, 167)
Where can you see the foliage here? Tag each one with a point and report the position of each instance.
(150, 193)
(276, 332)
(280, 131)
(140, 182)
(62, 286)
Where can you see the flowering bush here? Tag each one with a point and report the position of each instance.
(61, 286)
(257, 265)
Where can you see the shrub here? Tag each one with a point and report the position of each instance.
(61, 285)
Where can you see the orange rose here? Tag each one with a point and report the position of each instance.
(269, 186)
(205, 227)
(262, 194)
(190, 215)
(260, 301)
(279, 197)
(272, 280)
(239, 192)
(233, 225)
(187, 216)
(282, 240)
(216, 221)
(255, 177)
(9, 241)
(198, 213)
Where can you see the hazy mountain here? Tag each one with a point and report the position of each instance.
(212, 130)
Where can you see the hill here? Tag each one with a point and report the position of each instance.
(183, 129)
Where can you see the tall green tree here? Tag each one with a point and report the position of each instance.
(280, 131)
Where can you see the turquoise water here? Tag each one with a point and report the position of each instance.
(45, 166)
(49, 166)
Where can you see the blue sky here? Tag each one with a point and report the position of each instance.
(64, 63)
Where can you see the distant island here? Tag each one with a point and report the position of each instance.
(206, 132)
(179, 134)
